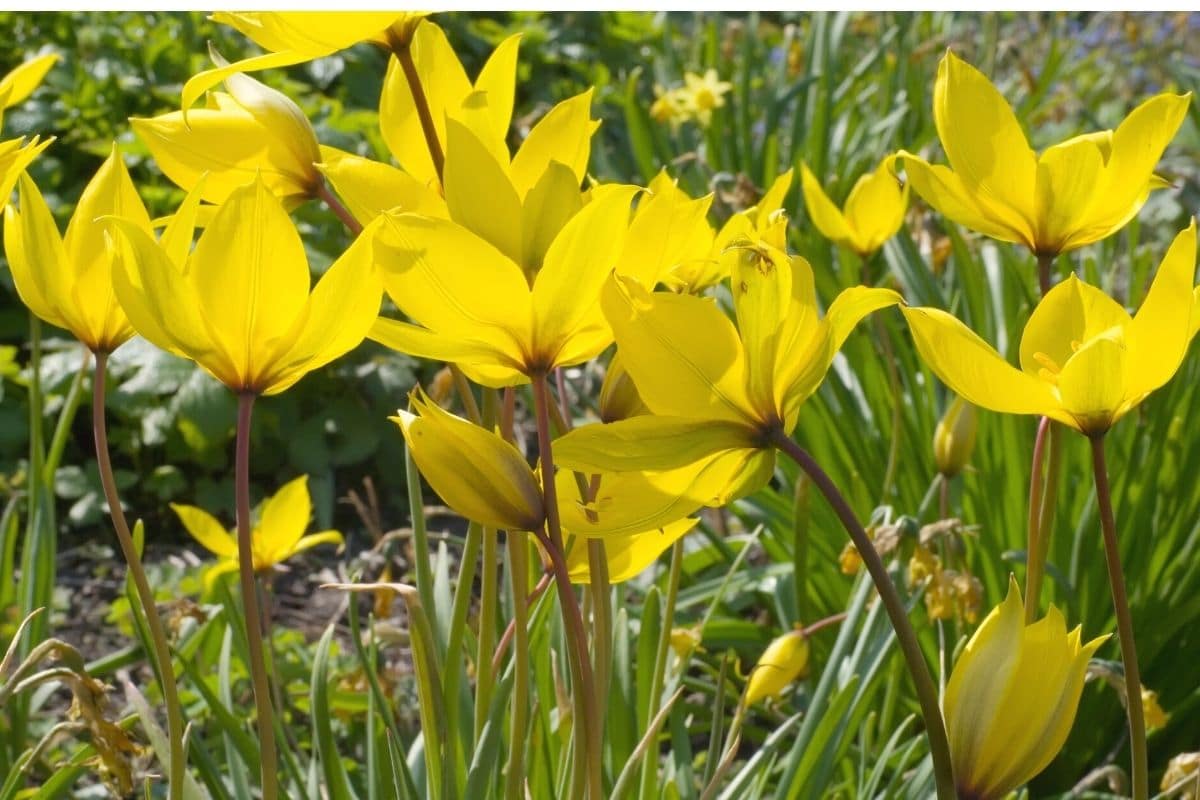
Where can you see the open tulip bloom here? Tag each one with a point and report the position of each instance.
(1012, 698)
(719, 393)
(240, 305)
(873, 211)
(1084, 360)
(1071, 194)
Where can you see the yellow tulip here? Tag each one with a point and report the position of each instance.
(954, 438)
(784, 660)
(240, 304)
(67, 280)
(18, 84)
(370, 188)
(477, 473)
(627, 555)
(1084, 361)
(873, 212)
(1012, 698)
(1077, 192)
(15, 157)
(293, 37)
(253, 130)
(278, 536)
(719, 395)
(475, 306)
(485, 106)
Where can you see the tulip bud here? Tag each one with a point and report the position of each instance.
(954, 439)
(1012, 698)
(475, 472)
(619, 398)
(784, 660)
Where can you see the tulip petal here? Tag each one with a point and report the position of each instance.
(1093, 382)
(28, 280)
(548, 206)
(497, 80)
(945, 192)
(17, 85)
(984, 142)
(1071, 313)
(761, 278)
(206, 530)
(627, 555)
(283, 520)
(201, 82)
(668, 229)
(973, 369)
(1067, 176)
(648, 442)
(875, 209)
(472, 171)
(315, 33)
(563, 135)
(15, 156)
(684, 355)
(825, 215)
(250, 275)
(475, 472)
(480, 360)
(314, 540)
(1161, 330)
(370, 188)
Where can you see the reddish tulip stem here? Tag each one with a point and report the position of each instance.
(158, 635)
(927, 695)
(507, 637)
(1116, 579)
(1045, 263)
(590, 725)
(421, 102)
(339, 210)
(253, 615)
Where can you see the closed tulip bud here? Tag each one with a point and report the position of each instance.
(1012, 698)
(784, 660)
(252, 130)
(954, 439)
(619, 398)
(473, 470)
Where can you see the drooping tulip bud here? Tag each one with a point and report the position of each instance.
(954, 439)
(1012, 698)
(784, 660)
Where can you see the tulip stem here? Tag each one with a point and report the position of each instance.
(1116, 578)
(421, 102)
(1043, 495)
(519, 578)
(339, 210)
(158, 636)
(249, 585)
(586, 701)
(927, 693)
(1045, 262)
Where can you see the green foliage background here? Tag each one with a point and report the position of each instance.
(838, 91)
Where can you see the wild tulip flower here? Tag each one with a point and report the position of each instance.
(278, 536)
(240, 305)
(475, 306)
(784, 660)
(873, 211)
(293, 37)
(1071, 194)
(1084, 361)
(67, 280)
(253, 130)
(17, 85)
(1012, 698)
(719, 394)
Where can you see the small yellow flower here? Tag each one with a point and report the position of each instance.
(1153, 712)
(1012, 698)
(923, 565)
(954, 439)
(704, 93)
(873, 212)
(1084, 360)
(784, 661)
(1074, 193)
(277, 536)
(850, 560)
(1183, 771)
(685, 641)
(941, 600)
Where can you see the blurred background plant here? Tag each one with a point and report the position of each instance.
(836, 91)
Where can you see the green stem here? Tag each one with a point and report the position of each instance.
(421, 102)
(1043, 496)
(519, 579)
(588, 722)
(801, 507)
(158, 636)
(601, 597)
(420, 537)
(62, 429)
(253, 616)
(1116, 579)
(927, 694)
(650, 764)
